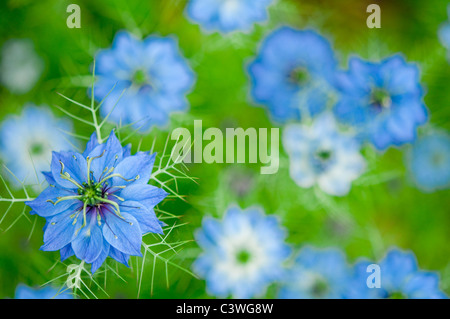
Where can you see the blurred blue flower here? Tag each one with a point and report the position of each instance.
(25, 292)
(98, 203)
(444, 32)
(320, 154)
(227, 15)
(154, 75)
(27, 142)
(429, 162)
(400, 278)
(293, 74)
(242, 254)
(317, 274)
(20, 66)
(383, 101)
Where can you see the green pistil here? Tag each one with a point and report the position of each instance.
(380, 98)
(243, 256)
(319, 288)
(140, 78)
(397, 295)
(323, 155)
(37, 149)
(90, 194)
(299, 75)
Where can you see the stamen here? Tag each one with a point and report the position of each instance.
(89, 161)
(84, 218)
(119, 198)
(61, 199)
(67, 177)
(99, 219)
(120, 176)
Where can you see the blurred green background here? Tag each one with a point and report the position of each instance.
(383, 209)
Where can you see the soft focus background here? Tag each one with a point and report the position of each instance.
(383, 209)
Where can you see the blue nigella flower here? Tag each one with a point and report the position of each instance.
(25, 292)
(429, 162)
(26, 142)
(383, 101)
(444, 33)
(242, 254)
(317, 274)
(320, 154)
(227, 15)
(400, 278)
(153, 72)
(293, 73)
(98, 203)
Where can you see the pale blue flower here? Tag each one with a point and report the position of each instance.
(27, 142)
(321, 155)
(154, 74)
(242, 253)
(227, 15)
(293, 74)
(429, 162)
(317, 274)
(20, 65)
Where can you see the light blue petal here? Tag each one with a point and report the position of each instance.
(123, 234)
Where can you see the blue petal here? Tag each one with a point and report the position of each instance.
(93, 143)
(126, 151)
(101, 258)
(66, 252)
(137, 166)
(88, 243)
(423, 285)
(124, 235)
(44, 208)
(107, 155)
(396, 267)
(149, 195)
(74, 164)
(119, 256)
(148, 222)
(49, 178)
(60, 231)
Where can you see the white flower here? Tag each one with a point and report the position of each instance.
(320, 154)
(243, 253)
(20, 66)
(27, 142)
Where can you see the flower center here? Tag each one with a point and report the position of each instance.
(319, 288)
(91, 194)
(140, 78)
(299, 75)
(397, 295)
(323, 155)
(437, 159)
(243, 256)
(37, 149)
(380, 98)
